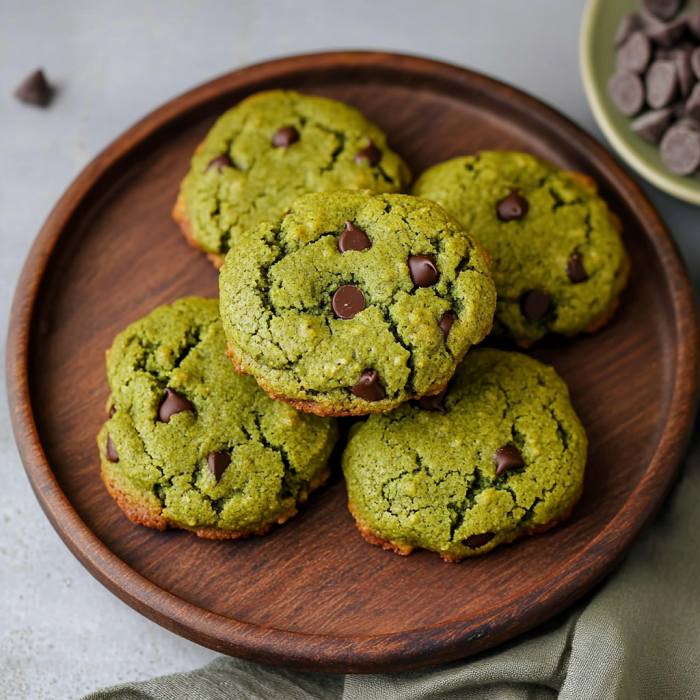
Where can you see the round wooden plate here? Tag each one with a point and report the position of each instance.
(312, 594)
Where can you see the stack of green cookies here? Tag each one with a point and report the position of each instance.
(342, 296)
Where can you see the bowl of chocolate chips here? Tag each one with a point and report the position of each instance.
(640, 64)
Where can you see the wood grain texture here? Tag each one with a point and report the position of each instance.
(313, 595)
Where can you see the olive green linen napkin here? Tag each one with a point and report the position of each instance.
(635, 637)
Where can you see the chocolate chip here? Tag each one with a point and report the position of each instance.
(665, 34)
(507, 457)
(35, 90)
(512, 207)
(661, 83)
(112, 455)
(173, 403)
(689, 123)
(220, 162)
(370, 153)
(353, 238)
(634, 54)
(627, 92)
(663, 9)
(434, 402)
(285, 137)
(368, 387)
(629, 23)
(424, 270)
(445, 323)
(575, 269)
(695, 62)
(218, 461)
(347, 302)
(680, 149)
(652, 125)
(476, 541)
(681, 56)
(112, 410)
(678, 109)
(692, 106)
(692, 21)
(535, 304)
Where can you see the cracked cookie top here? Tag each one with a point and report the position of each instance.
(274, 147)
(193, 443)
(355, 302)
(502, 455)
(558, 260)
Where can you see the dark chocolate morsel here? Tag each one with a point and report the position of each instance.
(112, 455)
(220, 162)
(370, 153)
(112, 410)
(680, 149)
(663, 9)
(692, 22)
(677, 109)
(445, 323)
(507, 457)
(218, 461)
(347, 302)
(353, 238)
(575, 269)
(173, 403)
(368, 387)
(285, 137)
(652, 125)
(35, 90)
(424, 270)
(692, 106)
(689, 123)
(476, 541)
(535, 304)
(629, 23)
(434, 402)
(661, 83)
(627, 92)
(681, 56)
(634, 54)
(664, 34)
(514, 206)
(695, 62)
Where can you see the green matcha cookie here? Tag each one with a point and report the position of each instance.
(558, 260)
(355, 302)
(270, 149)
(192, 444)
(501, 455)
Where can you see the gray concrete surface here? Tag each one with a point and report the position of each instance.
(61, 633)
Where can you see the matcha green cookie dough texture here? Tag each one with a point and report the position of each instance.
(270, 149)
(192, 444)
(558, 261)
(355, 302)
(501, 455)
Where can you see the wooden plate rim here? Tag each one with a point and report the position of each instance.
(334, 653)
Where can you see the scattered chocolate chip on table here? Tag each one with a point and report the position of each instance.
(35, 90)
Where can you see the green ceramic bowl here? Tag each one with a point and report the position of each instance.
(600, 21)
